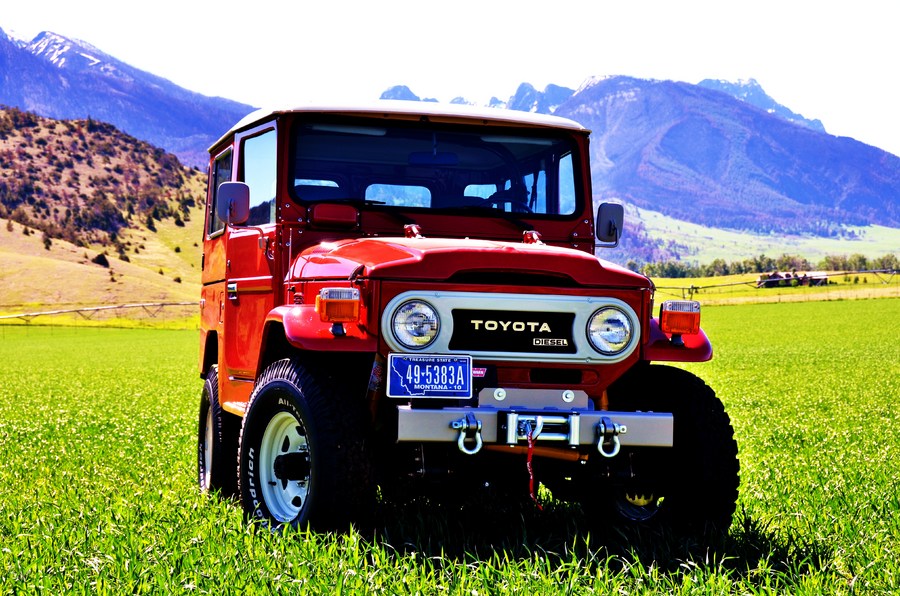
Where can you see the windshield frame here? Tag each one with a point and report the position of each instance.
(433, 166)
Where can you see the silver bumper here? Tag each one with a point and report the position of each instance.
(472, 427)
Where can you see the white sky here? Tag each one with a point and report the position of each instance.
(831, 60)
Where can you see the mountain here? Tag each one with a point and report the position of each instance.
(719, 154)
(529, 99)
(722, 155)
(64, 78)
(402, 92)
(525, 99)
(752, 92)
(702, 156)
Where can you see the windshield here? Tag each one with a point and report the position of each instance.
(434, 167)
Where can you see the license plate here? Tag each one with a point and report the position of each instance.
(429, 375)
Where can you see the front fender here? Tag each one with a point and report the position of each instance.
(305, 331)
(696, 348)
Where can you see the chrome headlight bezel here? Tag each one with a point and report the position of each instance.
(415, 324)
(610, 330)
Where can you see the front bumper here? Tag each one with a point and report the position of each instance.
(470, 428)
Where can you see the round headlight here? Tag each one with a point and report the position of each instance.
(415, 324)
(610, 330)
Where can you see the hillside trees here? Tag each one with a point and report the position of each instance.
(84, 181)
(858, 262)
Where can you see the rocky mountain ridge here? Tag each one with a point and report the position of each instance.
(752, 92)
(699, 155)
(525, 99)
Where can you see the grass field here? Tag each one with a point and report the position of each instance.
(97, 489)
(741, 289)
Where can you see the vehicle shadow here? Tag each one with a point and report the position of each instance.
(561, 534)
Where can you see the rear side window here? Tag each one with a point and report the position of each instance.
(221, 173)
(259, 173)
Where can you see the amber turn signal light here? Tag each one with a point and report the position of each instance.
(338, 305)
(680, 317)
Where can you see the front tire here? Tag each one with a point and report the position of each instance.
(690, 487)
(302, 459)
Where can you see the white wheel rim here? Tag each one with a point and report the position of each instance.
(285, 499)
(207, 451)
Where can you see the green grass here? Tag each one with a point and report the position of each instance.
(176, 316)
(97, 489)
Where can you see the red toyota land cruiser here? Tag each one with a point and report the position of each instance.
(406, 295)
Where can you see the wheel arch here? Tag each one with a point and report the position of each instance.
(209, 354)
(660, 348)
(285, 336)
(275, 345)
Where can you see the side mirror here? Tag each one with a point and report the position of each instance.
(610, 221)
(233, 203)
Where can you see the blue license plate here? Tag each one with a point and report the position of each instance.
(429, 375)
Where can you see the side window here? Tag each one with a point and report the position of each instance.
(221, 173)
(259, 161)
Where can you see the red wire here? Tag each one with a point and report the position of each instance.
(530, 469)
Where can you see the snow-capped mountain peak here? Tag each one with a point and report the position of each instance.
(74, 54)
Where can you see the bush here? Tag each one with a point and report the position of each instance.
(101, 260)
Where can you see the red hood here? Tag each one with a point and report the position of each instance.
(438, 259)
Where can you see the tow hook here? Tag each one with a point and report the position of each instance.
(608, 437)
(469, 430)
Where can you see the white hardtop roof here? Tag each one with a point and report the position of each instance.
(418, 108)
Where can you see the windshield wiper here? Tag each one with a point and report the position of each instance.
(505, 215)
(404, 220)
(351, 200)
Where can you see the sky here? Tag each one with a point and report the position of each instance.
(830, 60)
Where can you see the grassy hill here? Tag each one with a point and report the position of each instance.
(91, 216)
(33, 277)
(701, 244)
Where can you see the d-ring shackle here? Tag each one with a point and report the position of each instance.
(469, 428)
(609, 431)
